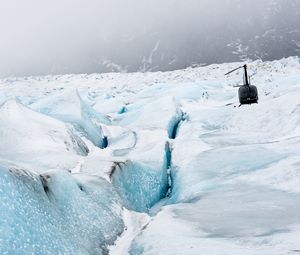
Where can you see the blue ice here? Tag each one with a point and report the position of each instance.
(57, 213)
(140, 185)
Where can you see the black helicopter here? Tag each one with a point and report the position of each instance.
(247, 93)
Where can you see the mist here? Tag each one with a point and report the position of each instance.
(40, 37)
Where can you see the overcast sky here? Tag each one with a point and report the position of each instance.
(66, 36)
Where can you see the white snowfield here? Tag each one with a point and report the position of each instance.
(161, 163)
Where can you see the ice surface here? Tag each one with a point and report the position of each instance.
(56, 213)
(70, 107)
(234, 172)
(235, 178)
(140, 185)
(35, 141)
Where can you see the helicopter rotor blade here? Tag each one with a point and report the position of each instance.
(234, 70)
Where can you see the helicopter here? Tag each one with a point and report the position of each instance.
(248, 93)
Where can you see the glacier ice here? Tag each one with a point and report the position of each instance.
(140, 185)
(56, 213)
(70, 107)
(31, 139)
(234, 171)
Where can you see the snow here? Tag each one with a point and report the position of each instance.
(234, 171)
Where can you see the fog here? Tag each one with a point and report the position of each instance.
(84, 36)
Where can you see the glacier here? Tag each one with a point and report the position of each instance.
(151, 163)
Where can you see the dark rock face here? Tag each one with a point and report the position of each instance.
(143, 35)
(206, 32)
